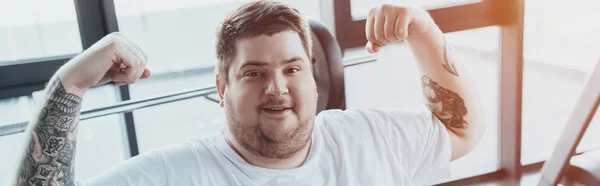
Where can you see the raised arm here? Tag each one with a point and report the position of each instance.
(49, 156)
(448, 89)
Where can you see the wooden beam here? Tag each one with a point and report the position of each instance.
(511, 83)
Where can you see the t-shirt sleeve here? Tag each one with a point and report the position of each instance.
(145, 169)
(417, 139)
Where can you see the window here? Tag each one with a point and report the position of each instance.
(560, 52)
(176, 122)
(100, 146)
(11, 155)
(37, 28)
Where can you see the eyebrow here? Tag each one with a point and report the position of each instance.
(261, 63)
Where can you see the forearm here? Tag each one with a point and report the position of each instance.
(447, 87)
(49, 156)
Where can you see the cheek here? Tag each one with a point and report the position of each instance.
(247, 98)
(306, 93)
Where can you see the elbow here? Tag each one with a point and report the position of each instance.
(466, 142)
(475, 135)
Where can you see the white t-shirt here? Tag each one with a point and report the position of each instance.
(352, 147)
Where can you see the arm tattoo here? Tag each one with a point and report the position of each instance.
(448, 106)
(448, 62)
(49, 157)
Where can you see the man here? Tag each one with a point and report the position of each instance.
(269, 95)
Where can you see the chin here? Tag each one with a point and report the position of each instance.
(279, 131)
(271, 137)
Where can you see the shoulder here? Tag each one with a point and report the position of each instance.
(366, 116)
(373, 122)
(348, 123)
(349, 115)
(194, 155)
(189, 150)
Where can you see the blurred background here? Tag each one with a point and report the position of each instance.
(561, 47)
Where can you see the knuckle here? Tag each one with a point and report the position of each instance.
(371, 37)
(373, 11)
(114, 45)
(379, 36)
(399, 34)
(390, 36)
(404, 11)
(386, 7)
(398, 31)
(114, 41)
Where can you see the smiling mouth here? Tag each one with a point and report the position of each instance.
(277, 111)
(275, 108)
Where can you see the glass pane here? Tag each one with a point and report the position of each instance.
(398, 86)
(100, 141)
(100, 146)
(560, 52)
(175, 122)
(159, 85)
(12, 146)
(12, 110)
(37, 28)
(360, 8)
(179, 35)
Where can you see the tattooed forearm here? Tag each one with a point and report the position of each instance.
(49, 157)
(448, 106)
(448, 61)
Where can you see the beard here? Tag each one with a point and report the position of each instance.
(261, 142)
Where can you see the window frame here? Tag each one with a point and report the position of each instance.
(38, 71)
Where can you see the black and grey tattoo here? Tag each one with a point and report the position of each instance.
(448, 106)
(448, 61)
(50, 154)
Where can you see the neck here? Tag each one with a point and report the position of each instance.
(295, 161)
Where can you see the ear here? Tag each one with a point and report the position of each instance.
(221, 86)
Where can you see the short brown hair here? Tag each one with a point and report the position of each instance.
(254, 19)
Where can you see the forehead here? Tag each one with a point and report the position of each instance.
(270, 49)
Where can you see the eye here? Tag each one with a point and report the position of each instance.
(293, 70)
(252, 74)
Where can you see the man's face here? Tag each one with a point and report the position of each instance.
(271, 97)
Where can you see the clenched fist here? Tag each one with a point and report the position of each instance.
(387, 24)
(113, 58)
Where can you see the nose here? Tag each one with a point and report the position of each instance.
(277, 86)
